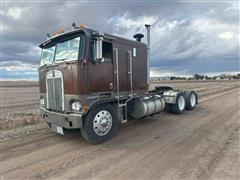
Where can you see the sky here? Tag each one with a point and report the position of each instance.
(187, 37)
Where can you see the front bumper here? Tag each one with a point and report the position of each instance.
(68, 121)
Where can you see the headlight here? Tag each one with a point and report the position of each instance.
(76, 106)
(42, 101)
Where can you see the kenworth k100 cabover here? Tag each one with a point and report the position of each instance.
(91, 80)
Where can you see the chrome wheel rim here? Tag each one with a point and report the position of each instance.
(193, 100)
(102, 122)
(181, 103)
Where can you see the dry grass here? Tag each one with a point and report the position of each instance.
(19, 104)
(13, 120)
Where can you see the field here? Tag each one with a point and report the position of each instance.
(19, 104)
(199, 144)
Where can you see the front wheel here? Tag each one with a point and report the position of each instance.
(100, 124)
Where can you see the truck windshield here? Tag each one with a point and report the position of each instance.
(47, 56)
(68, 50)
(63, 51)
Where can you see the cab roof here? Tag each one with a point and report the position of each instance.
(88, 31)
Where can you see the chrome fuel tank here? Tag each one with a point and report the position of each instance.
(146, 106)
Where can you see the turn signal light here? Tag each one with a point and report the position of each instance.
(61, 31)
(85, 109)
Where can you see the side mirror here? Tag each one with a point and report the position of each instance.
(98, 48)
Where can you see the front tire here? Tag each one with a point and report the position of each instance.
(100, 124)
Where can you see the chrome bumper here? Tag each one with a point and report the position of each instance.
(68, 121)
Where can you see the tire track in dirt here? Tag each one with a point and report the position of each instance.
(151, 148)
(180, 148)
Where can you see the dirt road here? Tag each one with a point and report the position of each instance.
(200, 144)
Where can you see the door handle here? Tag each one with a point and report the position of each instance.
(111, 86)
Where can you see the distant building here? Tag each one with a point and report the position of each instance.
(164, 78)
(217, 78)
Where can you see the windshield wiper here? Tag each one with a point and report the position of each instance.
(46, 65)
(63, 59)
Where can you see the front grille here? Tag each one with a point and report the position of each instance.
(58, 93)
(50, 93)
(54, 83)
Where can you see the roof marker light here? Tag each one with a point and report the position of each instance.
(48, 35)
(73, 26)
(82, 26)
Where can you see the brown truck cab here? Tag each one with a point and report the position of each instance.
(91, 80)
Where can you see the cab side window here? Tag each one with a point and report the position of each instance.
(106, 52)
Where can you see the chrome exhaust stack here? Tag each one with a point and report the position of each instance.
(148, 53)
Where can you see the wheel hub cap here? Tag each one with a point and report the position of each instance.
(181, 103)
(192, 100)
(102, 122)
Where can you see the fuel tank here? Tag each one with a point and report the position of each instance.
(146, 106)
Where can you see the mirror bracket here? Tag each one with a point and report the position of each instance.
(98, 39)
(98, 47)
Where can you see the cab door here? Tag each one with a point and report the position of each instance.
(100, 74)
(123, 69)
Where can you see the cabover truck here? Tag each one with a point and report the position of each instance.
(91, 80)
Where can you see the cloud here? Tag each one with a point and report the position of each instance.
(15, 12)
(12, 66)
(18, 70)
(226, 35)
(126, 22)
(185, 37)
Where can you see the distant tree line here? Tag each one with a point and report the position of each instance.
(197, 77)
(200, 77)
(222, 76)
